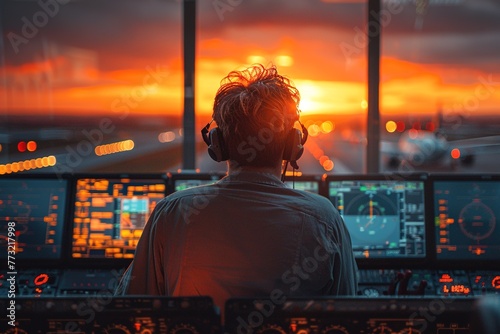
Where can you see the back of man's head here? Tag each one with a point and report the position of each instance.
(255, 109)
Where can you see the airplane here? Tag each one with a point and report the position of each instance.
(426, 148)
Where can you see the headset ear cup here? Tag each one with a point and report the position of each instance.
(216, 149)
(293, 148)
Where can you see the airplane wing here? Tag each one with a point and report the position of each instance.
(480, 145)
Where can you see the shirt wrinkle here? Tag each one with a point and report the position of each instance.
(245, 235)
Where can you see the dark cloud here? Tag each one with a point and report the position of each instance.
(142, 32)
(119, 31)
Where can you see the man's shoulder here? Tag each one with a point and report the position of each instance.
(194, 191)
(313, 202)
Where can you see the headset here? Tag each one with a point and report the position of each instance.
(294, 147)
(215, 142)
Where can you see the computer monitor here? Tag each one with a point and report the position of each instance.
(186, 180)
(110, 214)
(466, 211)
(32, 217)
(310, 183)
(385, 215)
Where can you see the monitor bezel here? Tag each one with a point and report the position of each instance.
(459, 264)
(395, 262)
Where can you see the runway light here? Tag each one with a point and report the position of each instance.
(327, 127)
(166, 137)
(430, 126)
(21, 146)
(328, 165)
(323, 159)
(19, 166)
(391, 126)
(313, 130)
(400, 126)
(121, 146)
(31, 146)
(455, 153)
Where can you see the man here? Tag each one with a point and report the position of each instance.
(248, 234)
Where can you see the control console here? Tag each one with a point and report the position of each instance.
(101, 314)
(350, 316)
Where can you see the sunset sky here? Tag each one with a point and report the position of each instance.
(108, 56)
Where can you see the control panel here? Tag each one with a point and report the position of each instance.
(350, 316)
(373, 283)
(73, 238)
(442, 283)
(107, 315)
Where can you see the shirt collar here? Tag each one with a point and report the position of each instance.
(254, 177)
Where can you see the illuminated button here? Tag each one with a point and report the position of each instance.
(446, 278)
(41, 279)
(495, 282)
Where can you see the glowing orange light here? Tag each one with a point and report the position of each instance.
(166, 137)
(455, 153)
(323, 159)
(327, 127)
(19, 166)
(328, 165)
(117, 147)
(391, 126)
(313, 130)
(52, 160)
(460, 288)
(31, 146)
(446, 278)
(495, 282)
(41, 279)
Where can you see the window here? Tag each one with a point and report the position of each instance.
(91, 86)
(97, 86)
(323, 53)
(440, 86)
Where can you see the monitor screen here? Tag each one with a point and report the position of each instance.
(32, 212)
(110, 215)
(310, 183)
(385, 217)
(465, 214)
(310, 186)
(182, 181)
(189, 183)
